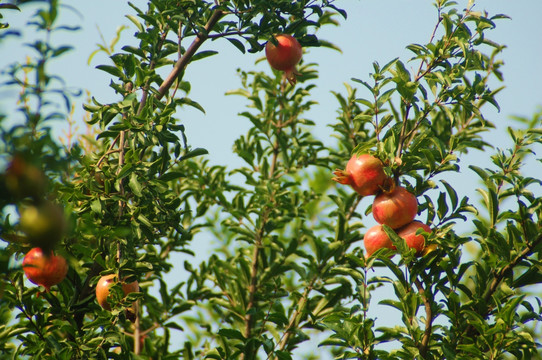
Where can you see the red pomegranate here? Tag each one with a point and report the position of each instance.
(376, 238)
(284, 55)
(395, 208)
(364, 173)
(413, 240)
(45, 269)
(104, 285)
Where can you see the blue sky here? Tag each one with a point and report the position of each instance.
(376, 30)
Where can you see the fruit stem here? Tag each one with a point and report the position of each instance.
(291, 75)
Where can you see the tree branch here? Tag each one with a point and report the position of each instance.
(470, 330)
(185, 59)
(505, 270)
(253, 286)
(295, 318)
(424, 345)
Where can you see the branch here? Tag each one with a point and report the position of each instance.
(505, 270)
(249, 352)
(185, 59)
(137, 329)
(252, 287)
(424, 345)
(109, 151)
(229, 33)
(152, 64)
(470, 330)
(295, 318)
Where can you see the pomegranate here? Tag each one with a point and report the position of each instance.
(364, 173)
(104, 285)
(23, 179)
(45, 269)
(413, 240)
(44, 224)
(285, 55)
(395, 208)
(376, 238)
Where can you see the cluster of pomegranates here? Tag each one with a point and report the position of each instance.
(46, 269)
(44, 225)
(393, 205)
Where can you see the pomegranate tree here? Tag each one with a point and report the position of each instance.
(364, 173)
(45, 269)
(395, 208)
(284, 55)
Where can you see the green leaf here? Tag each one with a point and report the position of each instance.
(134, 50)
(174, 325)
(135, 185)
(172, 175)
(203, 55)
(238, 44)
(189, 102)
(136, 22)
(113, 70)
(126, 169)
(232, 334)
(493, 206)
(442, 209)
(194, 153)
(481, 172)
(452, 194)
(532, 276)
(96, 206)
(401, 72)
(143, 219)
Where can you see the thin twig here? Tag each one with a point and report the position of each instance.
(137, 329)
(152, 65)
(295, 318)
(109, 151)
(508, 268)
(470, 330)
(253, 287)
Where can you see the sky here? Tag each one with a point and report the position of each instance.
(376, 30)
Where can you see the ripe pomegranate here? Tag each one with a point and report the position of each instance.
(285, 55)
(395, 208)
(413, 240)
(376, 238)
(104, 285)
(45, 269)
(365, 173)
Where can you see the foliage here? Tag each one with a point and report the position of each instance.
(288, 264)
